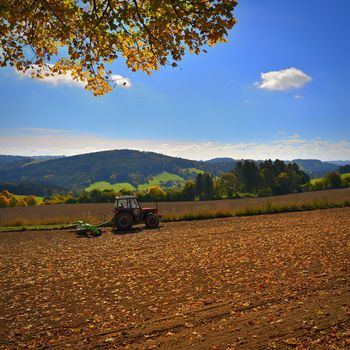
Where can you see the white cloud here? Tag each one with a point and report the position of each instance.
(298, 97)
(67, 78)
(58, 142)
(53, 79)
(294, 136)
(120, 81)
(285, 79)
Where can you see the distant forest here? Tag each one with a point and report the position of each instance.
(248, 179)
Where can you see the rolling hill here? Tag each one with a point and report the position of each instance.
(118, 169)
(315, 167)
(112, 167)
(12, 162)
(319, 179)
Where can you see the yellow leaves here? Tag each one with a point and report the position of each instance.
(146, 34)
(291, 341)
(197, 334)
(109, 340)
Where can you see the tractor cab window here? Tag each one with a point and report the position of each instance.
(134, 204)
(122, 203)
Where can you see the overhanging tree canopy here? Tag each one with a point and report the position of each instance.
(147, 33)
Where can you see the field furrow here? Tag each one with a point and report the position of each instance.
(264, 282)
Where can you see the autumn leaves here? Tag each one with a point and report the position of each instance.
(82, 38)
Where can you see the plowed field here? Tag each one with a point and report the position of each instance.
(264, 282)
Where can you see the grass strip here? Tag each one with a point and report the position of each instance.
(203, 215)
(268, 208)
(35, 227)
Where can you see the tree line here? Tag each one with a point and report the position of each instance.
(331, 181)
(32, 188)
(8, 199)
(248, 179)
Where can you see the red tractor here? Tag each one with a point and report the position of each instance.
(128, 212)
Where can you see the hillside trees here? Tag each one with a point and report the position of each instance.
(204, 186)
(344, 169)
(248, 176)
(269, 177)
(333, 179)
(227, 185)
(64, 198)
(154, 193)
(81, 38)
(188, 192)
(30, 200)
(117, 166)
(32, 188)
(8, 199)
(290, 179)
(329, 181)
(248, 179)
(284, 184)
(346, 181)
(4, 202)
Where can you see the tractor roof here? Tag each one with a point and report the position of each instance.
(126, 197)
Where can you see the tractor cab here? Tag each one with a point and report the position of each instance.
(128, 212)
(128, 204)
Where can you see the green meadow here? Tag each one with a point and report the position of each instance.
(104, 185)
(314, 181)
(164, 179)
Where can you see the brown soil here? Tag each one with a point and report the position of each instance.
(98, 212)
(265, 282)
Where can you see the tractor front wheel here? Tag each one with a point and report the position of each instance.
(152, 221)
(124, 221)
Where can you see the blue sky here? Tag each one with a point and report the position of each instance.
(213, 105)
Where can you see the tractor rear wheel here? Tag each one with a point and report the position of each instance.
(124, 221)
(152, 221)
